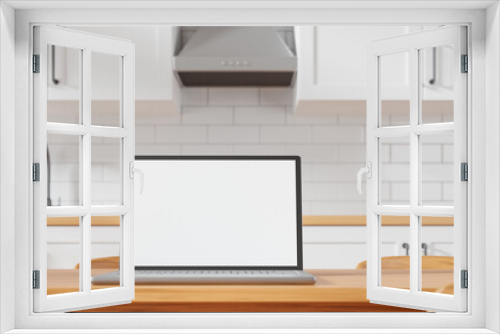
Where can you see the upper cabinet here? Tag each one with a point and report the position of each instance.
(332, 69)
(155, 83)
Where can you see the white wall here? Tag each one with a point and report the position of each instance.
(259, 121)
(7, 168)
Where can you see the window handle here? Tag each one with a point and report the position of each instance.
(135, 170)
(365, 170)
(406, 247)
(424, 248)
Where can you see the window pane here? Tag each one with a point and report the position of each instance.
(106, 171)
(394, 90)
(106, 89)
(105, 248)
(436, 169)
(436, 91)
(63, 255)
(63, 169)
(394, 169)
(437, 254)
(63, 84)
(394, 262)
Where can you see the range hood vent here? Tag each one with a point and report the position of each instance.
(235, 56)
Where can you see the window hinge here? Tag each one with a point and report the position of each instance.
(464, 171)
(36, 279)
(465, 64)
(36, 172)
(465, 279)
(36, 63)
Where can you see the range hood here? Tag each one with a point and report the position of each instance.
(235, 56)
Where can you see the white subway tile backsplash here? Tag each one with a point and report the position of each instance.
(398, 120)
(302, 119)
(157, 119)
(400, 191)
(207, 115)
(181, 134)
(431, 153)
(105, 153)
(96, 172)
(443, 138)
(323, 191)
(349, 192)
(285, 134)
(96, 140)
(64, 153)
(386, 192)
(313, 153)
(194, 96)
(259, 149)
(64, 193)
(448, 153)
(324, 208)
(276, 96)
(259, 115)
(437, 172)
(260, 121)
(111, 173)
(233, 96)
(105, 193)
(64, 172)
(233, 134)
(158, 149)
(145, 134)
(306, 170)
(384, 153)
(399, 172)
(431, 192)
(207, 149)
(352, 153)
(400, 153)
(352, 119)
(448, 192)
(307, 208)
(338, 134)
(336, 172)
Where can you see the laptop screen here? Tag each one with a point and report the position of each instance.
(224, 212)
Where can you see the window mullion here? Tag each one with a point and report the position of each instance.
(414, 170)
(85, 178)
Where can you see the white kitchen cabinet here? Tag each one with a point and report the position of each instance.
(332, 69)
(343, 247)
(154, 78)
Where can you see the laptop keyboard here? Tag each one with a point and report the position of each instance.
(152, 276)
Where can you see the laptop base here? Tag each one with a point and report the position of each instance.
(211, 277)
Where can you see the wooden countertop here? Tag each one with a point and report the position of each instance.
(334, 291)
(306, 221)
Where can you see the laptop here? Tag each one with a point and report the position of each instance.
(218, 219)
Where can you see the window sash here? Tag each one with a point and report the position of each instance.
(413, 298)
(86, 43)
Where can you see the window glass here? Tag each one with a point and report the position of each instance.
(63, 255)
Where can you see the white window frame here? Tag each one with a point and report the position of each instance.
(87, 44)
(414, 44)
(483, 101)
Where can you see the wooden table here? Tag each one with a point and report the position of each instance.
(334, 291)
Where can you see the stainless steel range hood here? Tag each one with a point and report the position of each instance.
(235, 56)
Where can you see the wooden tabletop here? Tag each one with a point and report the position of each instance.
(334, 291)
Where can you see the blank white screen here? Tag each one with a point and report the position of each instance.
(216, 213)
